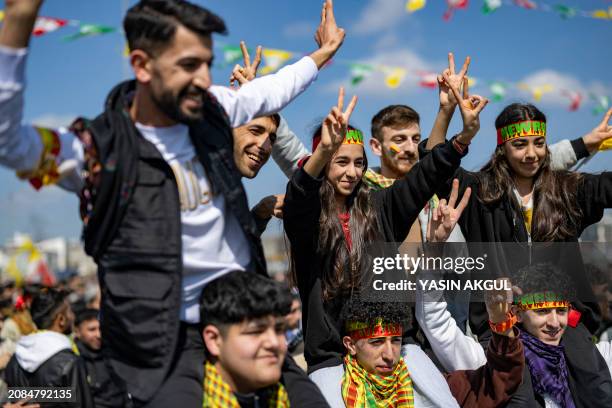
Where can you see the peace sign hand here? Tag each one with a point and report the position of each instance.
(445, 216)
(447, 99)
(470, 107)
(597, 136)
(245, 74)
(335, 125)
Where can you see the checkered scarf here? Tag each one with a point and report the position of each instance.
(361, 389)
(218, 394)
(376, 180)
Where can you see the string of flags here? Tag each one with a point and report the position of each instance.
(394, 76)
(46, 25)
(490, 6)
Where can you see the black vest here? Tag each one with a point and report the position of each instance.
(134, 234)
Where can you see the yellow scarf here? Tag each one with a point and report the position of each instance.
(218, 394)
(361, 389)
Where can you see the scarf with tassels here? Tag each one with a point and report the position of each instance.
(548, 369)
(361, 389)
(376, 180)
(218, 394)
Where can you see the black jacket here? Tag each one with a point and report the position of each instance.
(397, 208)
(105, 390)
(63, 369)
(588, 387)
(133, 232)
(502, 222)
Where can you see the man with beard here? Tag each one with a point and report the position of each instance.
(163, 206)
(46, 358)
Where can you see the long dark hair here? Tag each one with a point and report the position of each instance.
(555, 213)
(344, 275)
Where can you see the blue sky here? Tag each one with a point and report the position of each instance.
(514, 45)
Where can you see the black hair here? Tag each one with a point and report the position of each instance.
(544, 277)
(150, 25)
(86, 314)
(240, 296)
(45, 306)
(357, 309)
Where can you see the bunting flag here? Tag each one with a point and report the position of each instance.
(428, 80)
(526, 4)
(359, 72)
(490, 6)
(565, 11)
(603, 14)
(537, 91)
(472, 82)
(88, 30)
(126, 50)
(575, 99)
(414, 5)
(232, 54)
(44, 25)
(602, 103)
(34, 267)
(453, 5)
(498, 91)
(394, 77)
(274, 59)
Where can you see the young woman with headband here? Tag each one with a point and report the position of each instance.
(517, 198)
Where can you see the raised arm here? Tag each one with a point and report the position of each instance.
(271, 93)
(448, 102)
(45, 156)
(494, 383)
(333, 132)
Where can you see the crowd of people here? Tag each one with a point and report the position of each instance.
(186, 314)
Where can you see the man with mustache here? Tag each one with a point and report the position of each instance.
(163, 206)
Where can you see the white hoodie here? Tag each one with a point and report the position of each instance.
(33, 350)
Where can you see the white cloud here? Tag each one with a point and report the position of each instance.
(52, 120)
(300, 29)
(374, 85)
(559, 82)
(379, 15)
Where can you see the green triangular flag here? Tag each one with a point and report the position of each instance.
(88, 30)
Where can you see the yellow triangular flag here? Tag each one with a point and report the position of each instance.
(414, 5)
(394, 77)
(274, 59)
(1, 15)
(126, 50)
(605, 145)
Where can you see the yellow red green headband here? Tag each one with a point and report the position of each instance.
(521, 129)
(541, 300)
(368, 330)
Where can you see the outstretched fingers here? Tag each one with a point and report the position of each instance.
(464, 68)
(464, 200)
(451, 63)
(453, 88)
(454, 193)
(606, 119)
(245, 54)
(350, 108)
(340, 104)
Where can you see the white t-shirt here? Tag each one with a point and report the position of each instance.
(213, 241)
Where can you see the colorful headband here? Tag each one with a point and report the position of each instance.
(378, 328)
(353, 136)
(542, 300)
(521, 129)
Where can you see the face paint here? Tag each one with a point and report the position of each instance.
(395, 148)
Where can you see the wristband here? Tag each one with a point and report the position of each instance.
(460, 147)
(504, 326)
